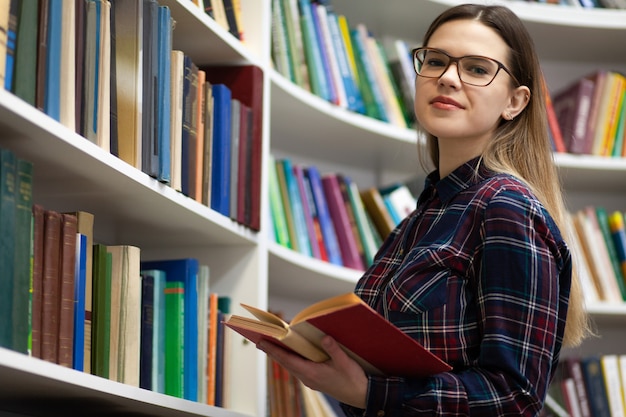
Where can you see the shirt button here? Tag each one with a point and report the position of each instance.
(380, 413)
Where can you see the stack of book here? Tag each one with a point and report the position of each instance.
(327, 217)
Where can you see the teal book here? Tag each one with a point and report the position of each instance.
(184, 270)
(368, 85)
(7, 250)
(297, 210)
(174, 336)
(22, 261)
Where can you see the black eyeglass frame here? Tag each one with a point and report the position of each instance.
(454, 59)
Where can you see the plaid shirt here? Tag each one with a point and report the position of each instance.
(480, 275)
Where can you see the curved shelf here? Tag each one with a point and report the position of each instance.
(31, 386)
(590, 28)
(305, 124)
(301, 277)
(129, 205)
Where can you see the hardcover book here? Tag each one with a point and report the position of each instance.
(363, 333)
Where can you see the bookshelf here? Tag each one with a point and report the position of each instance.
(132, 208)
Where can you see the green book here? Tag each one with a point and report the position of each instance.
(277, 209)
(25, 76)
(7, 253)
(22, 263)
(174, 338)
(101, 313)
(603, 223)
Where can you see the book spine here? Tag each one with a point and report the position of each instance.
(8, 174)
(37, 279)
(67, 264)
(163, 92)
(78, 353)
(221, 151)
(175, 340)
(326, 225)
(50, 286)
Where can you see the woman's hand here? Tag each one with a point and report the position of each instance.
(340, 376)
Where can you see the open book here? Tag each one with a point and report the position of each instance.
(375, 343)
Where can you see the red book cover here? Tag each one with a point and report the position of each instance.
(338, 213)
(67, 265)
(572, 106)
(50, 297)
(364, 334)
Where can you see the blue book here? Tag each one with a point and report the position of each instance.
(149, 155)
(11, 43)
(353, 94)
(52, 95)
(319, 82)
(185, 270)
(163, 93)
(152, 362)
(80, 283)
(221, 151)
(324, 54)
(328, 229)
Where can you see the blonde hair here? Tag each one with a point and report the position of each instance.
(522, 146)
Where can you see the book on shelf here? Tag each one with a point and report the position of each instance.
(8, 172)
(344, 187)
(189, 137)
(184, 270)
(80, 282)
(279, 220)
(290, 221)
(554, 128)
(101, 315)
(127, 27)
(153, 331)
(164, 48)
(66, 277)
(25, 73)
(375, 205)
(595, 385)
(235, 124)
(363, 333)
(37, 280)
(174, 338)
(618, 234)
(177, 66)
(346, 238)
(296, 205)
(20, 315)
(149, 96)
(572, 106)
(308, 212)
(317, 75)
(10, 25)
(602, 217)
(125, 310)
(326, 225)
(221, 152)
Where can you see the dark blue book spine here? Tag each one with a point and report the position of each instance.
(147, 330)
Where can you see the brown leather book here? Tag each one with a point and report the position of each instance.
(50, 286)
(67, 264)
(38, 238)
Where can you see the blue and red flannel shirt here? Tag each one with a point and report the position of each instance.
(480, 275)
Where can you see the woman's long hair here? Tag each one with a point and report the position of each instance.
(522, 146)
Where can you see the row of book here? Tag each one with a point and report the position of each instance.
(598, 243)
(108, 71)
(227, 13)
(318, 50)
(591, 115)
(100, 308)
(327, 217)
(590, 386)
(288, 396)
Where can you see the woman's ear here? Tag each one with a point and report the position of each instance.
(520, 97)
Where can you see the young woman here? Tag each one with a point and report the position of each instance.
(480, 272)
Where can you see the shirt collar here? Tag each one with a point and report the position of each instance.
(463, 177)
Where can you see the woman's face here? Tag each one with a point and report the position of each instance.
(451, 110)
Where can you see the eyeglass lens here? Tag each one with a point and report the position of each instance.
(472, 70)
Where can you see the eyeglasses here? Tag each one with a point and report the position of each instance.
(474, 70)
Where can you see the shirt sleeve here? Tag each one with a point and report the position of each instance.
(521, 292)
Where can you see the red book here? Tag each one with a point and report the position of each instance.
(38, 248)
(246, 85)
(339, 214)
(365, 335)
(50, 298)
(553, 123)
(572, 106)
